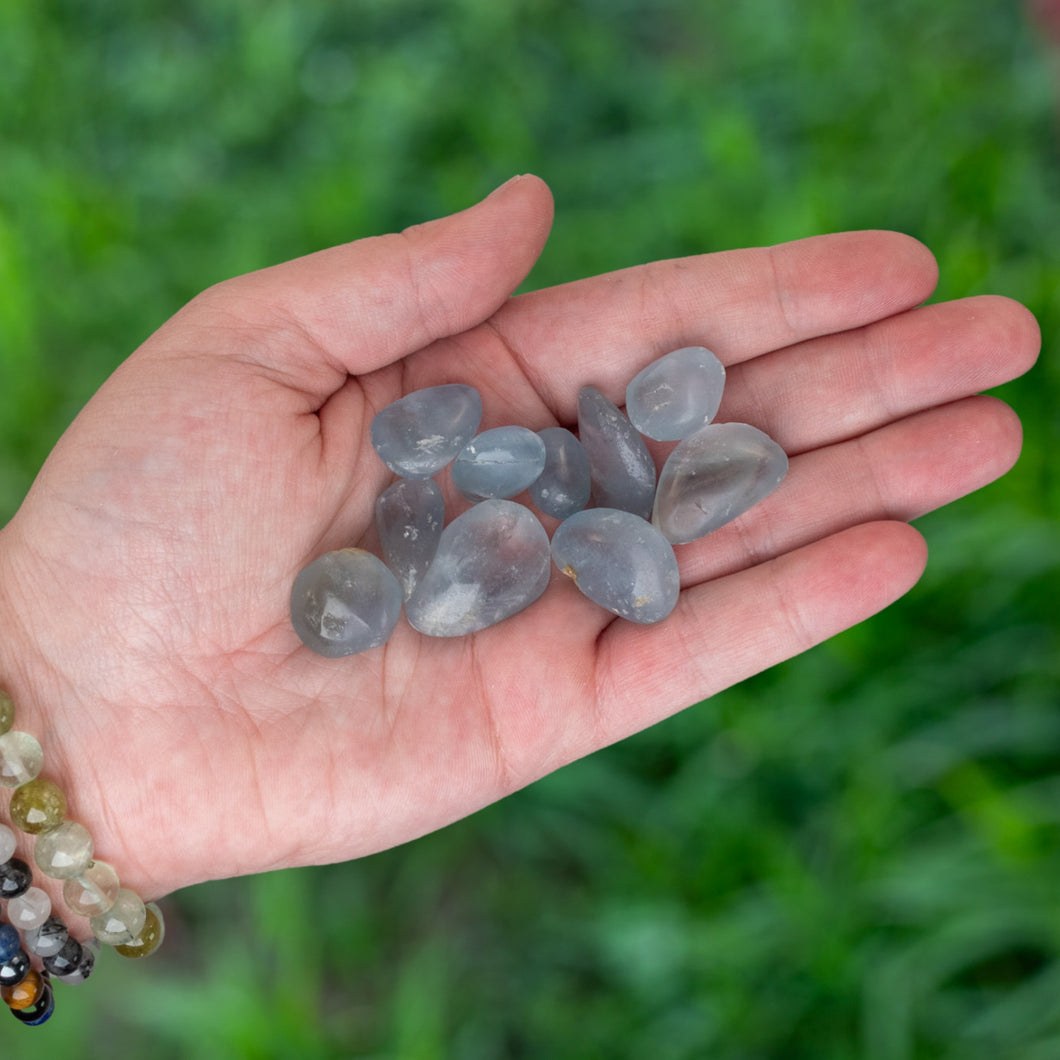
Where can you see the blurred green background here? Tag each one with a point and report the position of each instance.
(856, 854)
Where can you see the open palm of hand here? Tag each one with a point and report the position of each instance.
(145, 580)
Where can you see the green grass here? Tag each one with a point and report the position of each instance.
(852, 855)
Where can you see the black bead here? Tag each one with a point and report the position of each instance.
(15, 878)
(50, 937)
(12, 972)
(66, 960)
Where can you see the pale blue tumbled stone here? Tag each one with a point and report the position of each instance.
(421, 433)
(564, 485)
(492, 562)
(622, 469)
(676, 394)
(498, 463)
(345, 602)
(620, 561)
(713, 476)
(409, 516)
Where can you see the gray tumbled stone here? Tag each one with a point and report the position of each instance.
(564, 486)
(491, 563)
(498, 463)
(713, 476)
(345, 602)
(620, 561)
(419, 434)
(622, 469)
(409, 515)
(676, 394)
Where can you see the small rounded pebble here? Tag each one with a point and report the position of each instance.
(345, 602)
(419, 434)
(65, 851)
(92, 891)
(410, 515)
(564, 485)
(676, 394)
(30, 909)
(38, 806)
(498, 463)
(123, 922)
(620, 561)
(21, 758)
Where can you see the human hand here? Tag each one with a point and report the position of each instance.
(144, 583)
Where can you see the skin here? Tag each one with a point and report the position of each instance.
(144, 583)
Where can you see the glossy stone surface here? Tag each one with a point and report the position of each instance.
(345, 602)
(38, 806)
(15, 877)
(41, 1010)
(66, 959)
(622, 469)
(21, 758)
(421, 433)
(676, 394)
(410, 515)
(713, 476)
(563, 486)
(8, 843)
(92, 891)
(620, 561)
(47, 938)
(65, 851)
(10, 943)
(150, 938)
(30, 909)
(492, 562)
(498, 463)
(122, 922)
(84, 967)
(7, 712)
(26, 993)
(14, 969)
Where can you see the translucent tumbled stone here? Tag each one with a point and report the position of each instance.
(30, 909)
(65, 851)
(150, 937)
(492, 562)
(48, 938)
(421, 433)
(92, 891)
(345, 602)
(713, 476)
(676, 394)
(8, 843)
(21, 758)
(622, 469)
(410, 515)
(498, 463)
(620, 561)
(7, 712)
(122, 922)
(563, 487)
(38, 806)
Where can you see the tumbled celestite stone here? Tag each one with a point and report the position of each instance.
(38, 806)
(65, 851)
(676, 394)
(419, 434)
(410, 515)
(491, 562)
(713, 476)
(622, 469)
(620, 561)
(563, 487)
(21, 758)
(498, 463)
(345, 602)
(122, 922)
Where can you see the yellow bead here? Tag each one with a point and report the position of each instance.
(38, 806)
(150, 937)
(24, 994)
(7, 712)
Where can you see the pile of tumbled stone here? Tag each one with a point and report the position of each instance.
(495, 559)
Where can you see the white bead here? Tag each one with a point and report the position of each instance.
(21, 758)
(30, 909)
(8, 842)
(64, 851)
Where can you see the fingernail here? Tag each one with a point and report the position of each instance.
(507, 183)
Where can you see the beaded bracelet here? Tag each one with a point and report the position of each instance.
(63, 851)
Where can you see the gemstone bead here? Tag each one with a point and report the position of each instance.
(123, 922)
(15, 878)
(41, 1010)
(48, 938)
(622, 469)
(66, 959)
(676, 394)
(420, 433)
(21, 758)
(498, 463)
(38, 806)
(150, 937)
(10, 943)
(492, 562)
(410, 515)
(65, 851)
(14, 969)
(564, 486)
(7, 712)
(84, 967)
(30, 909)
(26, 993)
(8, 843)
(345, 602)
(92, 891)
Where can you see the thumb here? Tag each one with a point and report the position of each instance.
(366, 304)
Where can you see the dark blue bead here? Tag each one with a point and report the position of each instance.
(41, 1009)
(10, 943)
(15, 878)
(66, 960)
(13, 971)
